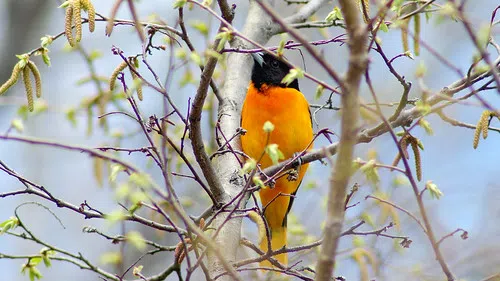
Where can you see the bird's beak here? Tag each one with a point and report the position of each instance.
(257, 57)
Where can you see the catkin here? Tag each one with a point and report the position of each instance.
(12, 80)
(68, 22)
(38, 78)
(91, 13)
(115, 73)
(396, 160)
(416, 37)
(261, 226)
(404, 34)
(28, 87)
(404, 145)
(365, 9)
(477, 133)
(485, 120)
(111, 19)
(418, 161)
(98, 166)
(139, 86)
(77, 18)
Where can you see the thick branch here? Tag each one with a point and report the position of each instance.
(341, 171)
(195, 117)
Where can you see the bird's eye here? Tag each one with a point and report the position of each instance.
(275, 63)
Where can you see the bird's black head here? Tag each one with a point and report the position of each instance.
(270, 71)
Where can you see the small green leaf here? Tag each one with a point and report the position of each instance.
(358, 241)
(137, 270)
(46, 58)
(134, 208)
(310, 185)
(248, 166)
(138, 197)
(334, 15)
(400, 133)
(274, 153)
(268, 127)
(122, 191)
(196, 58)
(319, 92)
(396, 5)
(23, 60)
(115, 169)
(111, 258)
(135, 238)
(483, 36)
(71, 116)
(295, 73)
(200, 26)
(180, 53)
(65, 4)
(40, 106)
(426, 126)
(34, 261)
(370, 171)
(481, 68)
(409, 54)
(448, 9)
(46, 253)
(224, 36)
(9, 224)
(17, 124)
(281, 45)
(94, 54)
(257, 181)
(46, 41)
(383, 27)
(420, 144)
(115, 216)
(187, 78)
(434, 190)
(400, 180)
(140, 179)
(34, 273)
(368, 218)
(179, 3)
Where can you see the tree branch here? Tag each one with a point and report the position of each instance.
(341, 171)
(197, 108)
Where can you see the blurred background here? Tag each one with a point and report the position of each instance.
(467, 177)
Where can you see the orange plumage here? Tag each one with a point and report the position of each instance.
(286, 107)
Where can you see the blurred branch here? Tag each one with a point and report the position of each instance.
(83, 263)
(42, 192)
(91, 151)
(418, 195)
(341, 171)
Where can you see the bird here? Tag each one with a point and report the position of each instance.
(269, 99)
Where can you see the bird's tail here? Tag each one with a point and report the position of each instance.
(278, 241)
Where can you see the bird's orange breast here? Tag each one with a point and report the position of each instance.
(287, 109)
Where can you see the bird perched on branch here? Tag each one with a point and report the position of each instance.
(270, 99)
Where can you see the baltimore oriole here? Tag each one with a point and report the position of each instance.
(268, 99)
